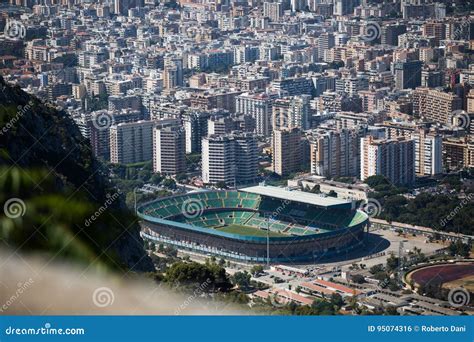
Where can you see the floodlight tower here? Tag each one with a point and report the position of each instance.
(268, 240)
(400, 262)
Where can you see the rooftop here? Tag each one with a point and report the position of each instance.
(297, 196)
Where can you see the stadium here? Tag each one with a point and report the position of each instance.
(255, 224)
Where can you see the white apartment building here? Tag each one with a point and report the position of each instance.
(131, 142)
(428, 153)
(230, 158)
(292, 112)
(259, 106)
(394, 159)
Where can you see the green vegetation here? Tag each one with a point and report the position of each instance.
(134, 176)
(330, 306)
(64, 205)
(459, 248)
(242, 280)
(248, 231)
(192, 275)
(256, 270)
(444, 212)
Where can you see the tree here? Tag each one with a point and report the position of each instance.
(358, 279)
(392, 262)
(376, 269)
(221, 185)
(189, 274)
(209, 277)
(241, 279)
(391, 310)
(336, 300)
(459, 248)
(256, 270)
(169, 183)
(156, 178)
(180, 177)
(374, 181)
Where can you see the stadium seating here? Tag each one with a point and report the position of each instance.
(221, 208)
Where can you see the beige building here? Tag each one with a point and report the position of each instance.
(335, 153)
(435, 105)
(458, 153)
(287, 151)
(470, 101)
(169, 149)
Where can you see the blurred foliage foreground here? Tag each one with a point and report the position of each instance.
(55, 197)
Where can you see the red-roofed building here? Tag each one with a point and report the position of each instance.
(322, 288)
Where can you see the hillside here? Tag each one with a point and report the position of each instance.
(57, 198)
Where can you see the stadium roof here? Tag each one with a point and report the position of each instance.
(297, 196)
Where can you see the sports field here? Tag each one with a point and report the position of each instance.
(248, 231)
(448, 275)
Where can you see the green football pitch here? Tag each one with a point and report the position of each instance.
(248, 231)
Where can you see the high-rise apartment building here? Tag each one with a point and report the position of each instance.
(390, 33)
(325, 42)
(392, 158)
(195, 127)
(458, 153)
(335, 153)
(169, 149)
(259, 106)
(432, 104)
(344, 7)
(407, 74)
(436, 30)
(292, 112)
(131, 142)
(220, 125)
(428, 152)
(470, 101)
(230, 158)
(273, 10)
(287, 151)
